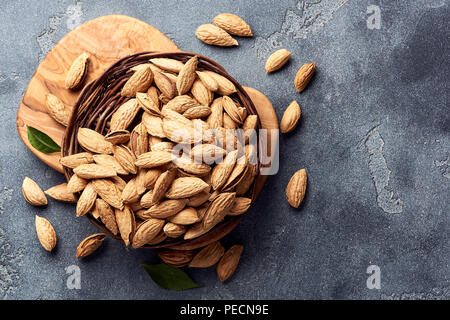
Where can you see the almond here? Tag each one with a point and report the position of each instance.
(215, 119)
(222, 171)
(229, 262)
(125, 157)
(186, 187)
(147, 231)
(106, 160)
(201, 93)
(244, 185)
(94, 171)
(126, 224)
(139, 140)
(208, 256)
(77, 159)
(198, 199)
(140, 81)
(277, 60)
(173, 230)
(106, 214)
(93, 141)
(108, 191)
(163, 146)
(153, 159)
(211, 34)
(171, 65)
(240, 206)
(60, 193)
(181, 103)
(151, 176)
(217, 209)
(76, 184)
(147, 201)
(46, 234)
(165, 85)
(176, 258)
(226, 87)
(169, 114)
(124, 115)
(177, 132)
(147, 104)
(57, 110)
(187, 75)
(166, 208)
(209, 82)
(153, 124)
(296, 188)
(118, 137)
(162, 184)
(77, 71)
(290, 117)
(231, 109)
(233, 24)
(89, 245)
(86, 200)
(186, 216)
(32, 193)
(304, 75)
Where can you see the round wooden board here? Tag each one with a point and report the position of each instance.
(105, 39)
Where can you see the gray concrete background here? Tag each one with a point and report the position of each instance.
(374, 137)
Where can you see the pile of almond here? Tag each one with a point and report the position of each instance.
(170, 165)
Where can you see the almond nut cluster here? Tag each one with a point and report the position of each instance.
(170, 165)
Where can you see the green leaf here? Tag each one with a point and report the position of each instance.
(169, 277)
(41, 141)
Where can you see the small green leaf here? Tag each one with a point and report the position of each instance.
(169, 277)
(41, 141)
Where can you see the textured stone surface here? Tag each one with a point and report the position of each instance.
(374, 137)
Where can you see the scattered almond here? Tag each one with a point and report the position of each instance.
(211, 34)
(89, 245)
(45, 232)
(32, 193)
(229, 262)
(233, 24)
(304, 75)
(296, 188)
(77, 71)
(277, 60)
(291, 117)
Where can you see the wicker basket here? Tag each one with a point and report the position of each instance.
(101, 98)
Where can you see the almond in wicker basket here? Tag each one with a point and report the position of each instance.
(152, 148)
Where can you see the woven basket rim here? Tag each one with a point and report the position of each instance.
(220, 230)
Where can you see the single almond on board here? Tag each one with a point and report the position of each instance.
(45, 232)
(61, 193)
(77, 71)
(211, 34)
(208, 256)
(277, 60)
(187, 75)
(296, 188)
(57, 110)
(233, 24)
(140, 81)
(304, 75)
(32, 193)
(89, 245)
(229, 262)
(291, 117)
